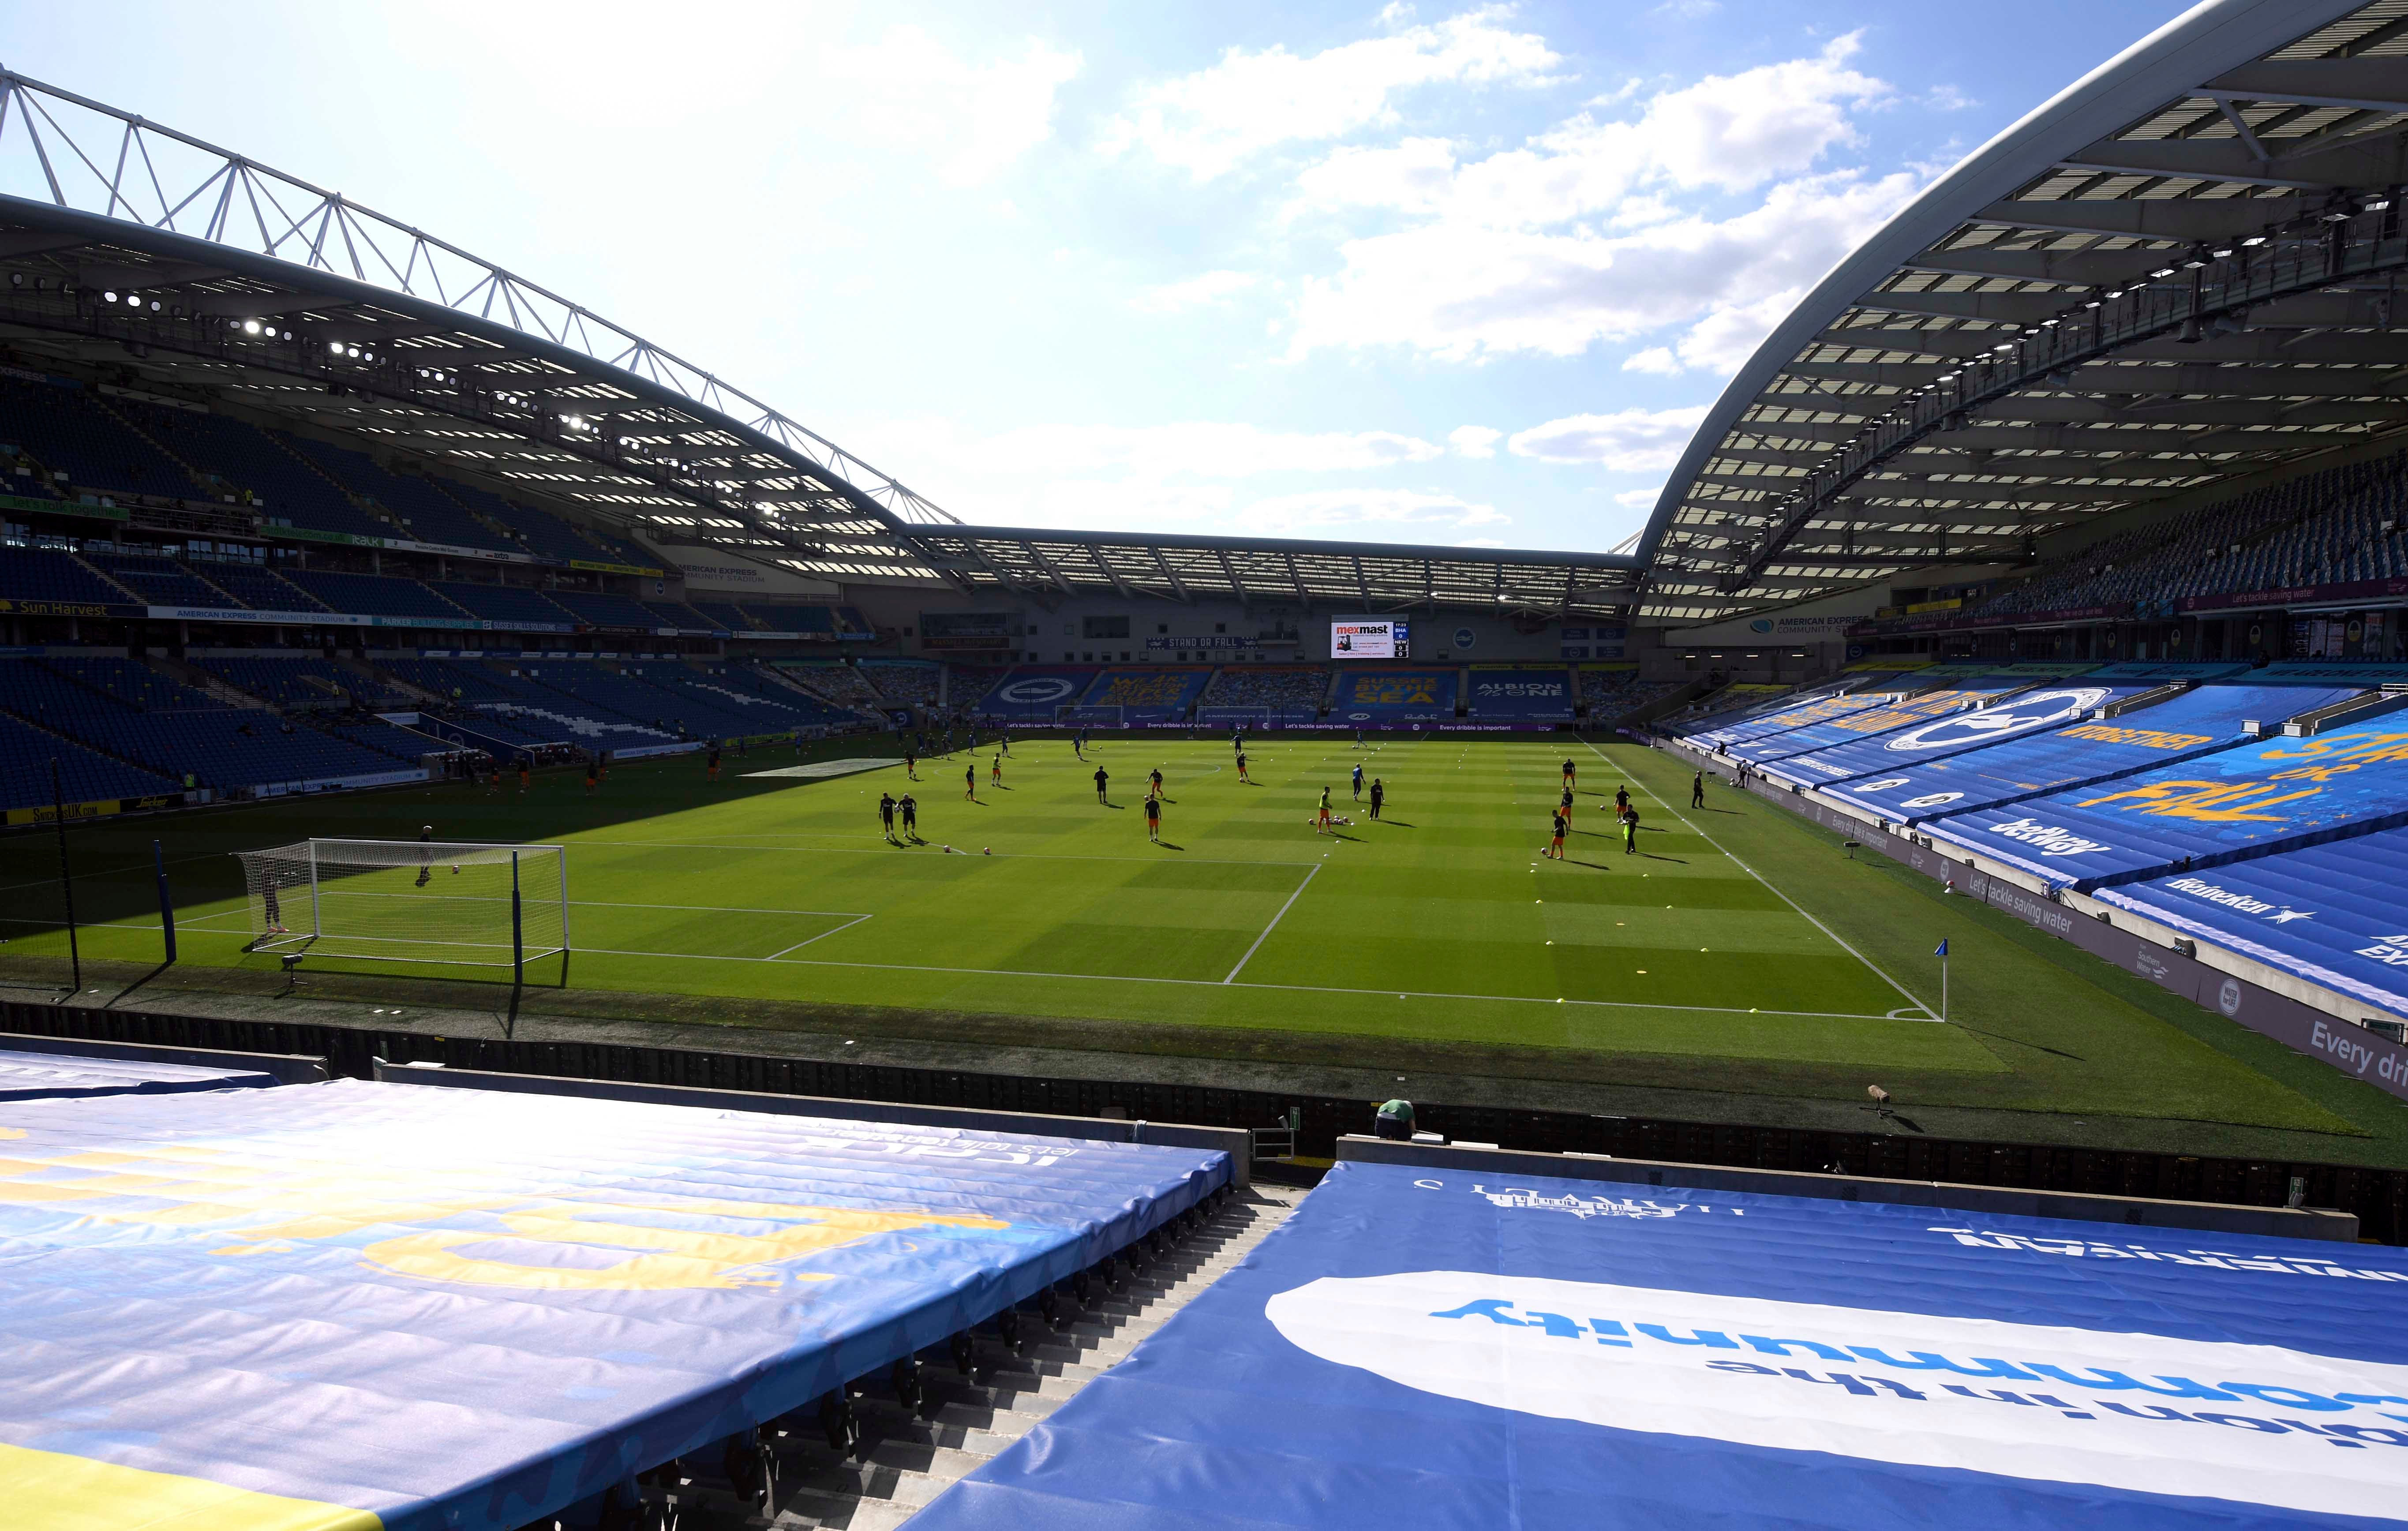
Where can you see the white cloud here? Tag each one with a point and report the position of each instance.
(1197, 449)
(1586, 234)
(1355, 510)
(971, 120)
(1640, 499)
(1475, 441)
(1462, 292)
(1626, 441)
(1209, 123)
(1213, 287)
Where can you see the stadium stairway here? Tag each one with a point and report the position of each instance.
(905, 1458)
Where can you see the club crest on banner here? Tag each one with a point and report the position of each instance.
(2005, 720)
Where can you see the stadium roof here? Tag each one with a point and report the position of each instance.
(2178, 273)
(1376, 576)
(195, 275)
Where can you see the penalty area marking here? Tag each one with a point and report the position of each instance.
(1309, 876)
(1929, 1013)
(820, 769)
(1220, 983)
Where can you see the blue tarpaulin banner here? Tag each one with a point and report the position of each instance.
(1798, 713)
(2247, 799)
(28, 1076)
(353, 1305)
(2176, 729)
(1937, 739)
(2334, 914)
(1924, 707)
(1439, 1349)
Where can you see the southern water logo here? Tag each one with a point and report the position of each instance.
(2135, 1412)
(2022, 716)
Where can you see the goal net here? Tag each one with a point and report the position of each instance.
(441, 901)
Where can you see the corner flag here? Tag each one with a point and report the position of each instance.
(1943, 947)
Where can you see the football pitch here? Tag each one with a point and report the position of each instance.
(1738, 953)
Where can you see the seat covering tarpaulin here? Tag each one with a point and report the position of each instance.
(2334, 914)
(2248, 799)
(1800, 713)
(2048, 706)
(1449, 1350)
(1923, 708)
(29, 1076)
(462, 1308)
(2176, 729)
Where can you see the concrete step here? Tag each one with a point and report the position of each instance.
(908, 1458)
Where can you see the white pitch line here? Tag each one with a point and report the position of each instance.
(1219, 983)
(1274, 925)
(821, 936)
(1875, 967)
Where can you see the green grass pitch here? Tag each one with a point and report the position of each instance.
(1737, 960)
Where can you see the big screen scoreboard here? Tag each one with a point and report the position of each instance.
(1369, 637)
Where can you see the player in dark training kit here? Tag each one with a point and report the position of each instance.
(886, 812)
(969, 781)
(1629, 831)
(1379, 795)
(1100, 779)
(1567, 773)
(1698, 790)
(1242, 769)
(1556, 824)
(910, 811)
(1154, 820)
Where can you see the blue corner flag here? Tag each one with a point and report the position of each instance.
(1943, 947)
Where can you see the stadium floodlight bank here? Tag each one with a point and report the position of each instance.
(477, 903)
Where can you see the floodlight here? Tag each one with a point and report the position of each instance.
(2224, 254)
(2253, 241)
(335, 346)
(2162, 272)
(2116, 294)
(2093, 304)
(251, 327)
(2375, 204)
(108, 297)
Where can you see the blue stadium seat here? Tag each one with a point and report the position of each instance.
(373, 594)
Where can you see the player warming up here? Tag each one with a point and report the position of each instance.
(1100, 779)
(995, 773)
(969, 781)
(1154, 820)
(714, 763)
(909, 808)
(911, 765)
(1379, 795)
(1242, 769)
(1629, 831)
(886, 813)
(1557, 826)
(1323, 822)
(1154, 783)
(426, 857)
(1569, 772)
(1698, 790)
(1358, 781)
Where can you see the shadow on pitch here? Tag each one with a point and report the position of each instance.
(2018, 1041)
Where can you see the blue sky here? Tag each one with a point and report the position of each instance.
(1430, 273)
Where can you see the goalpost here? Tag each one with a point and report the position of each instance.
(478, 902)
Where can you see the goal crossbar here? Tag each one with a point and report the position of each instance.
(479, 903)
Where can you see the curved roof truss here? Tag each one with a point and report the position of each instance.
(2179, 273)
